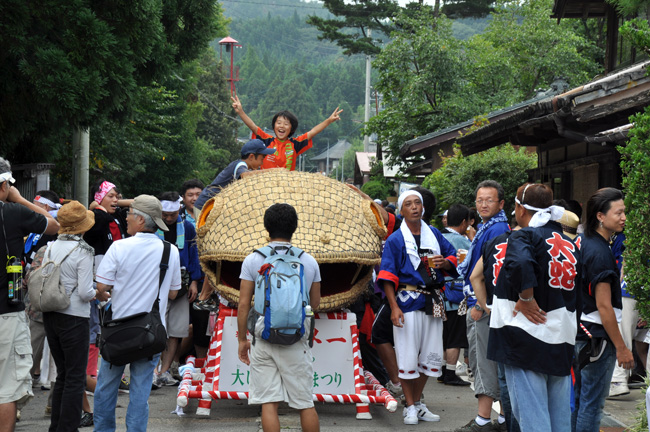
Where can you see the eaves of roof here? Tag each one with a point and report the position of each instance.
(585, 103)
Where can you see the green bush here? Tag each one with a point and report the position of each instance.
(635, 164)
(456, 180)
(376, 189)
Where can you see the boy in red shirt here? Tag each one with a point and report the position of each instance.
(284, 124)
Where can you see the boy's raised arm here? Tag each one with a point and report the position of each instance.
(321, 127)
(236, 105)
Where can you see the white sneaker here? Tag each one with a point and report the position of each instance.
(167, 379)
(410, 415)
(394, 389)
(618, 389)
(424, 414)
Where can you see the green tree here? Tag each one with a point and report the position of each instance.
(456, 180)
(74, 63)
(537, 48)
(254, 79)
(155, 148)
(430, 80)
(359, 17)
(464, 9)
(288, 92)
(420, 77)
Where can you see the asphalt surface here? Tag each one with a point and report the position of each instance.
(455, 405)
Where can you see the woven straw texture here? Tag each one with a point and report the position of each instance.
(335, 225)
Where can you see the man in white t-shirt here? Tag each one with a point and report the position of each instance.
(130, 272)
(278, 372)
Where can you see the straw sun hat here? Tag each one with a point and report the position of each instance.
(339, 228)
(75, 219)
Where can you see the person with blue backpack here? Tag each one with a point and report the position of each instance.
(286, 284)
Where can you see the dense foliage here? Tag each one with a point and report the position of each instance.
(635, 164)
(431, 80)
(455, 182)
(68, 64)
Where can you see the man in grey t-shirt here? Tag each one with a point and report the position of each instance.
(278, 372)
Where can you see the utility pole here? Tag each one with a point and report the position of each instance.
(327, 164)
(81, 152)
(366, 117)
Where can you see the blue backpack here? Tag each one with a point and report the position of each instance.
(280, 296)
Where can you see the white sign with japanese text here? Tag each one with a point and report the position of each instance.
(332, 356)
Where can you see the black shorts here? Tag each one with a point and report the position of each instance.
(382, 327)
(454, 331)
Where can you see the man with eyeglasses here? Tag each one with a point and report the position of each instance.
(130, 272)
(490, 198)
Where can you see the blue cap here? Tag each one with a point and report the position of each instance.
(255, 146)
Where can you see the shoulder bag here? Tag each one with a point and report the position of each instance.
(135, 337)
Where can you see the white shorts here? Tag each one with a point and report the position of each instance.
(178, 317)
(281, 373)
(418, 345)
(15, 359)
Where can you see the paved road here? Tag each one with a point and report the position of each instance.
(456, 406)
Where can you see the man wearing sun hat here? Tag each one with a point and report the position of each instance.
(130, 272)
(18, 218)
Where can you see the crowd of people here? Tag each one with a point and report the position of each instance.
(529, 301)
(541, 305)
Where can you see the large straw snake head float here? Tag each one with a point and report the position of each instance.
(339, 228)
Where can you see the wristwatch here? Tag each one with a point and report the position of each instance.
(477, 307)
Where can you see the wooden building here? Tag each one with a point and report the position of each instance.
(575, 132)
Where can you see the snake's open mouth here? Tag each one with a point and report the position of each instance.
(338, 281)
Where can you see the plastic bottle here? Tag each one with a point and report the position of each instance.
(309, 315)
(14, 281)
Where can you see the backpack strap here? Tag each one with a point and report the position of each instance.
(234, 173)
(296, 251)
(49, 257)
(266, 251)
(68, 254)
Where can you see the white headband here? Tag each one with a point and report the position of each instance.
(47, 202)
(408, 193)
(7, 176)
(171, 206)
(542, 215)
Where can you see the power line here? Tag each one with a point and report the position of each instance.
(206, 99)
